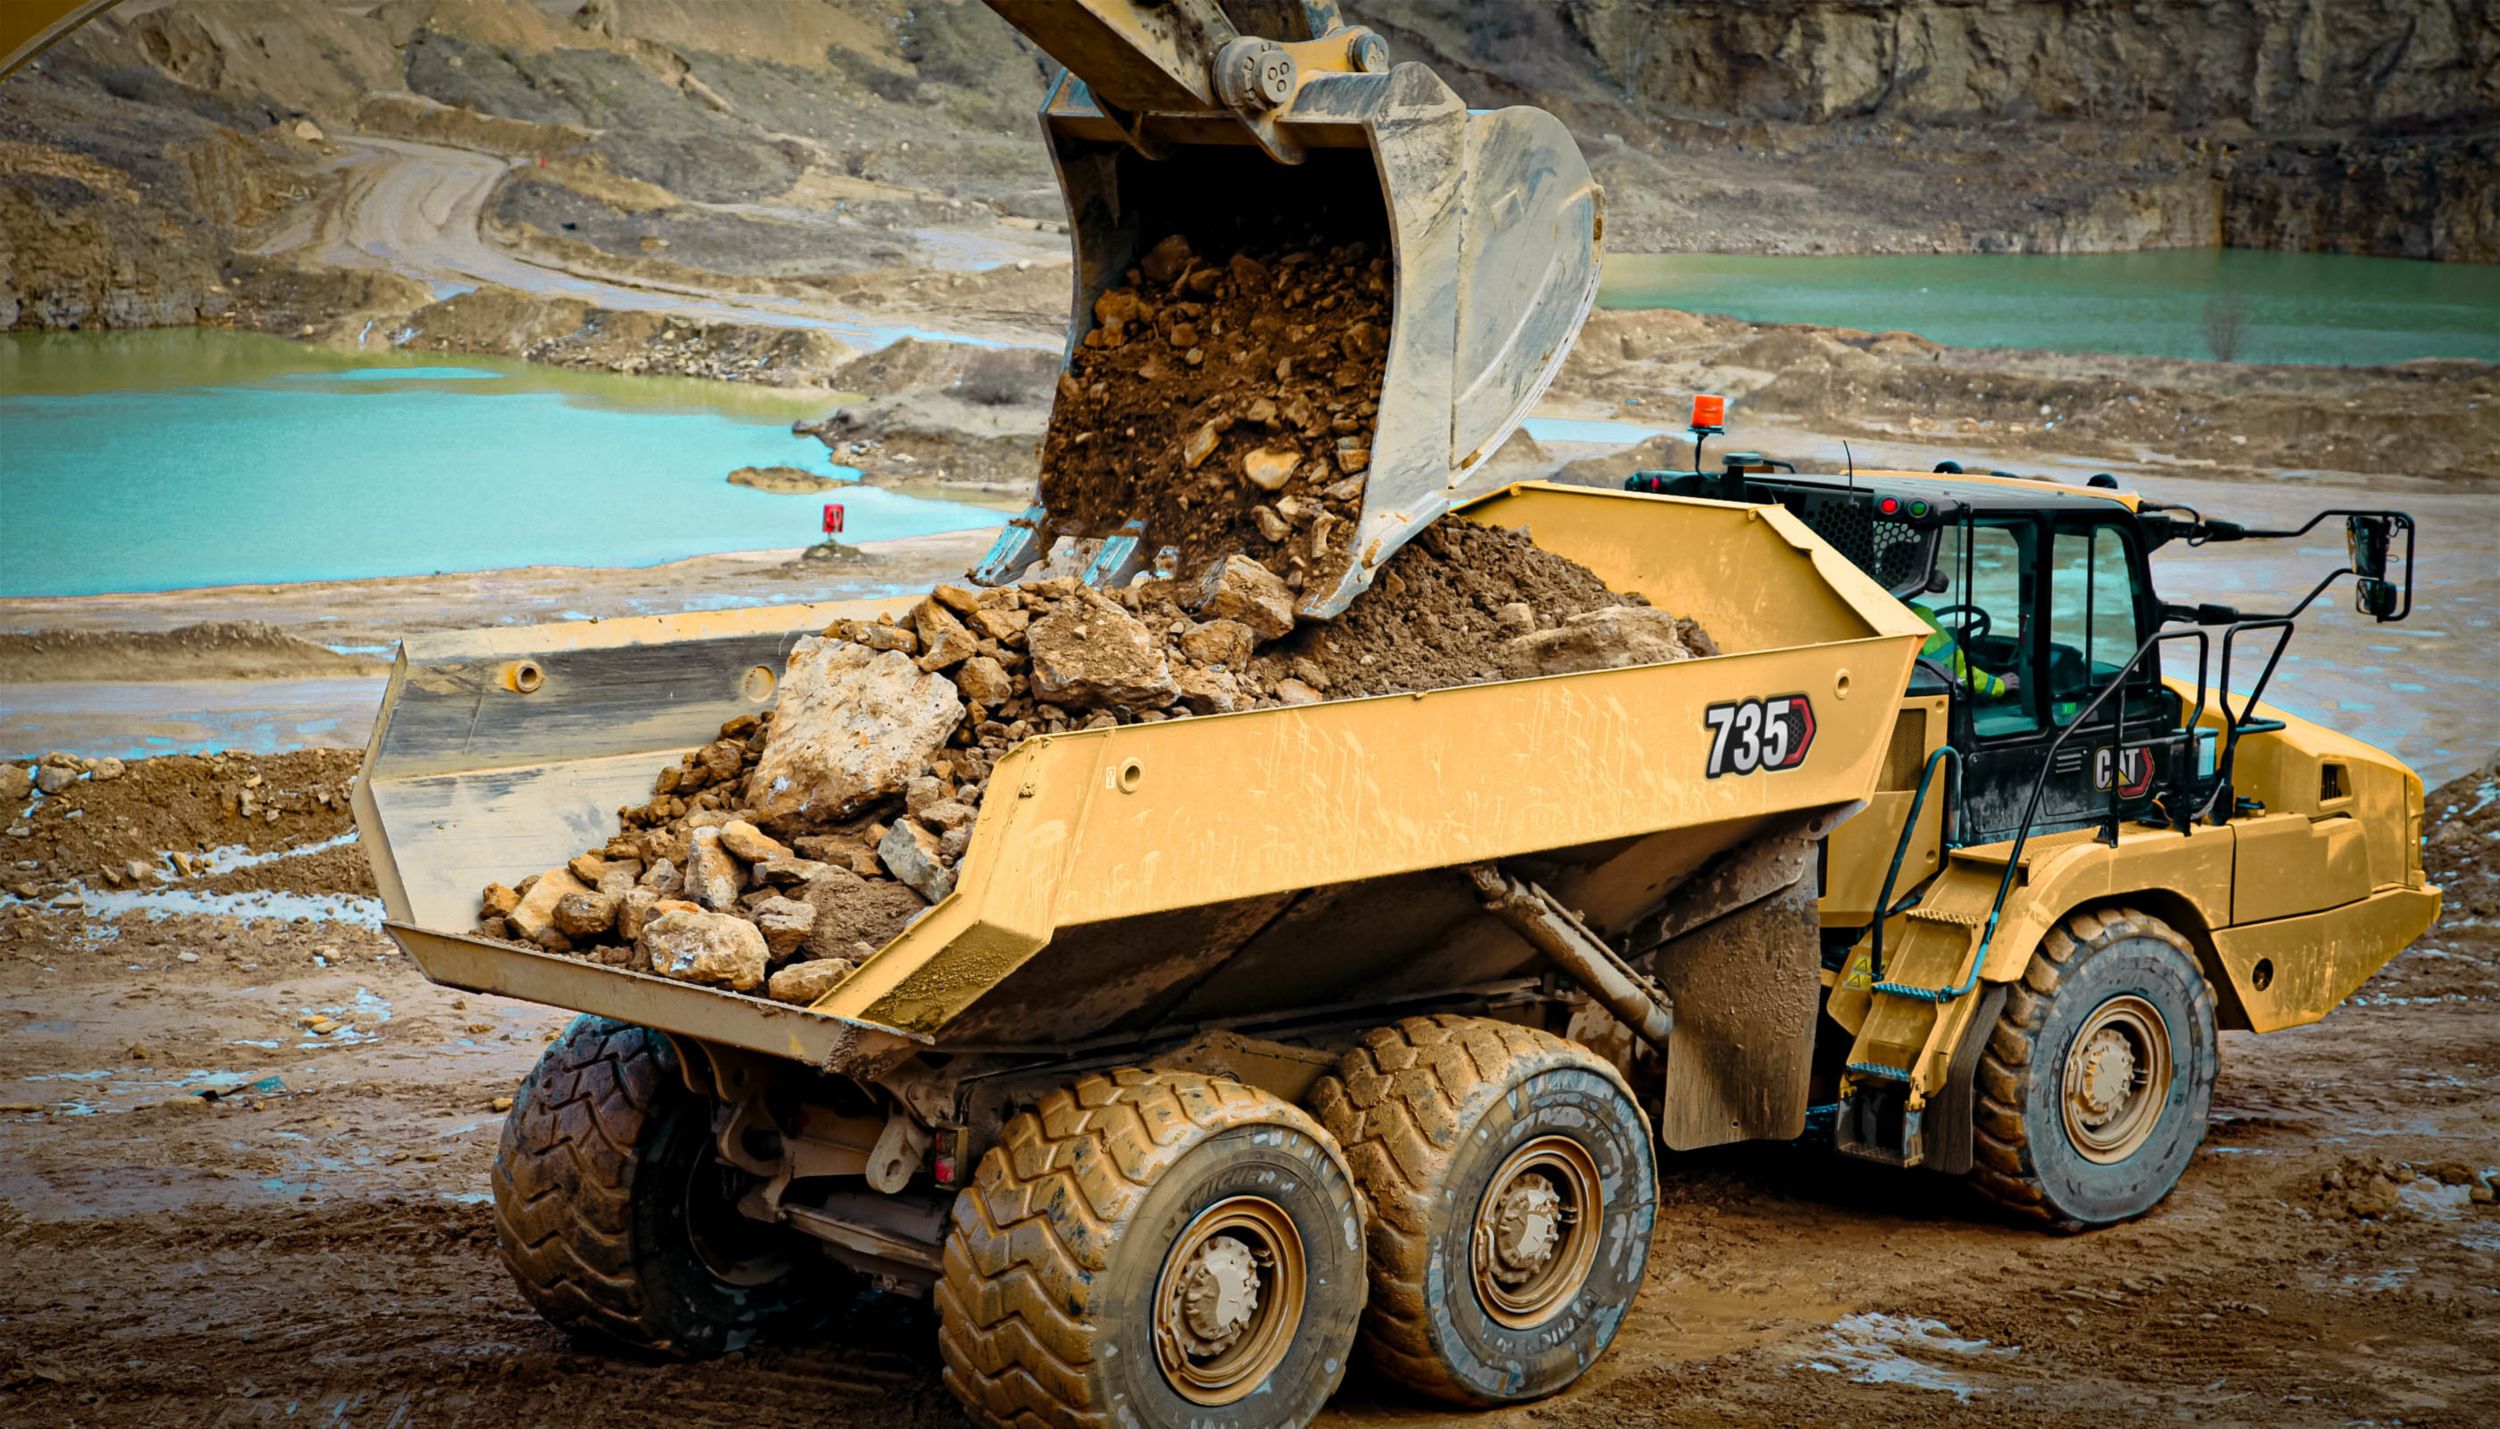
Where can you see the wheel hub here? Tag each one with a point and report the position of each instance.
(1229, 1300)
(2108, 1072)
(1527, 1228)
(1219, 1293)
(2116, 1079)
(1536, 1232)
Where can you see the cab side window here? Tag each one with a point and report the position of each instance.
(1980, 609)
(2093, 629)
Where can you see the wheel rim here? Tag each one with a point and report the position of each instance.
(1536, 1232)
(2117, 1078)
(735, 1249)
(1229, 1300)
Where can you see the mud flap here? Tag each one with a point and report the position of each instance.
(1949, 1143)
(1745, 988)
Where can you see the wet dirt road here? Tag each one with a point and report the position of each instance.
(319, 1248)
(417, 209)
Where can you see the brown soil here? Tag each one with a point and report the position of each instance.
(190, 804)
(223, 650)
(2431, 418)
(1201, 369)
(2462, 852)
(1432, 621)
(342, 869)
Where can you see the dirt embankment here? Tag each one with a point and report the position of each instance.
(2431, 418)
(947, 419)
(110, 823)
(2461, 852)
(217, 650)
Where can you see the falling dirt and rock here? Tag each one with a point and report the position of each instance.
(779, 857)
(1227, 401)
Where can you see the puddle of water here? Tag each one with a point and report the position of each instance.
(1875, 1348)
(118, 1089)
(359, 1021)
(1591, 430)
(348, 908)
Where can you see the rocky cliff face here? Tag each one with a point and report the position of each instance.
(147, 152)
(2280, 66)
(2363, 126)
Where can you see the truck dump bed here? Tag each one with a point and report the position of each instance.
(1200, 869)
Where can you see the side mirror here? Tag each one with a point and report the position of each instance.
(2366, 539)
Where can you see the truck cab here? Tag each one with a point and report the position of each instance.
(2076, 759)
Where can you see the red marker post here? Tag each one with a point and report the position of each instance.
(833, 518)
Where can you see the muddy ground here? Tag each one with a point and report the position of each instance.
(318, 1244)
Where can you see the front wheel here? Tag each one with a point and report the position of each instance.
(2097, 1079)
(614, 1216)
(1513, 1192)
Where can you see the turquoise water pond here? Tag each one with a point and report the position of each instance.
(2299, 307)
(164, 460)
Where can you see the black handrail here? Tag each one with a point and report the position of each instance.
(2039, 786)
(1884, 911)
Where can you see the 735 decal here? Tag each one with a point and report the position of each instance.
(1759, 735)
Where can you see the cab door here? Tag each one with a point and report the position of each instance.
(2085, 591)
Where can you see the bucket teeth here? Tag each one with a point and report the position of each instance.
(1020, 546)
(1107, 564)
(1120, 557)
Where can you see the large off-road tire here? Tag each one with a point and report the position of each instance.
(1468, 1137)
(1121, 1207)
(2095, 1085)
(616, 1218)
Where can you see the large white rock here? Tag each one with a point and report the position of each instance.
(1088, 653)
(714, 949)
(1608, 638)
(533, 919)
(910, 853)
(852, 725)
(1239, 588)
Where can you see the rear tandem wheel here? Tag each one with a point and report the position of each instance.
(1513, 1191)
(1153, 1248)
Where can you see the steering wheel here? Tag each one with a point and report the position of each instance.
(1975, 624)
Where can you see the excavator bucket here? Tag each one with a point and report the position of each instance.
(1209, 121)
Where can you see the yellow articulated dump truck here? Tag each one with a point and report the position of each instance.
(1246, 1043)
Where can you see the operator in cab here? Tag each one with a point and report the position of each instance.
(1946, 651)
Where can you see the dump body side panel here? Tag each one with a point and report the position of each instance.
(1205, 867)
(1095, 840)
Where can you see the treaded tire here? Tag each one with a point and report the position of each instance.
(1428, 1111)
(592, 1204)
(1046, 1310)
(2025, 1158)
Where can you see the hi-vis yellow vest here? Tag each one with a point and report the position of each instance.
(1947, 651)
